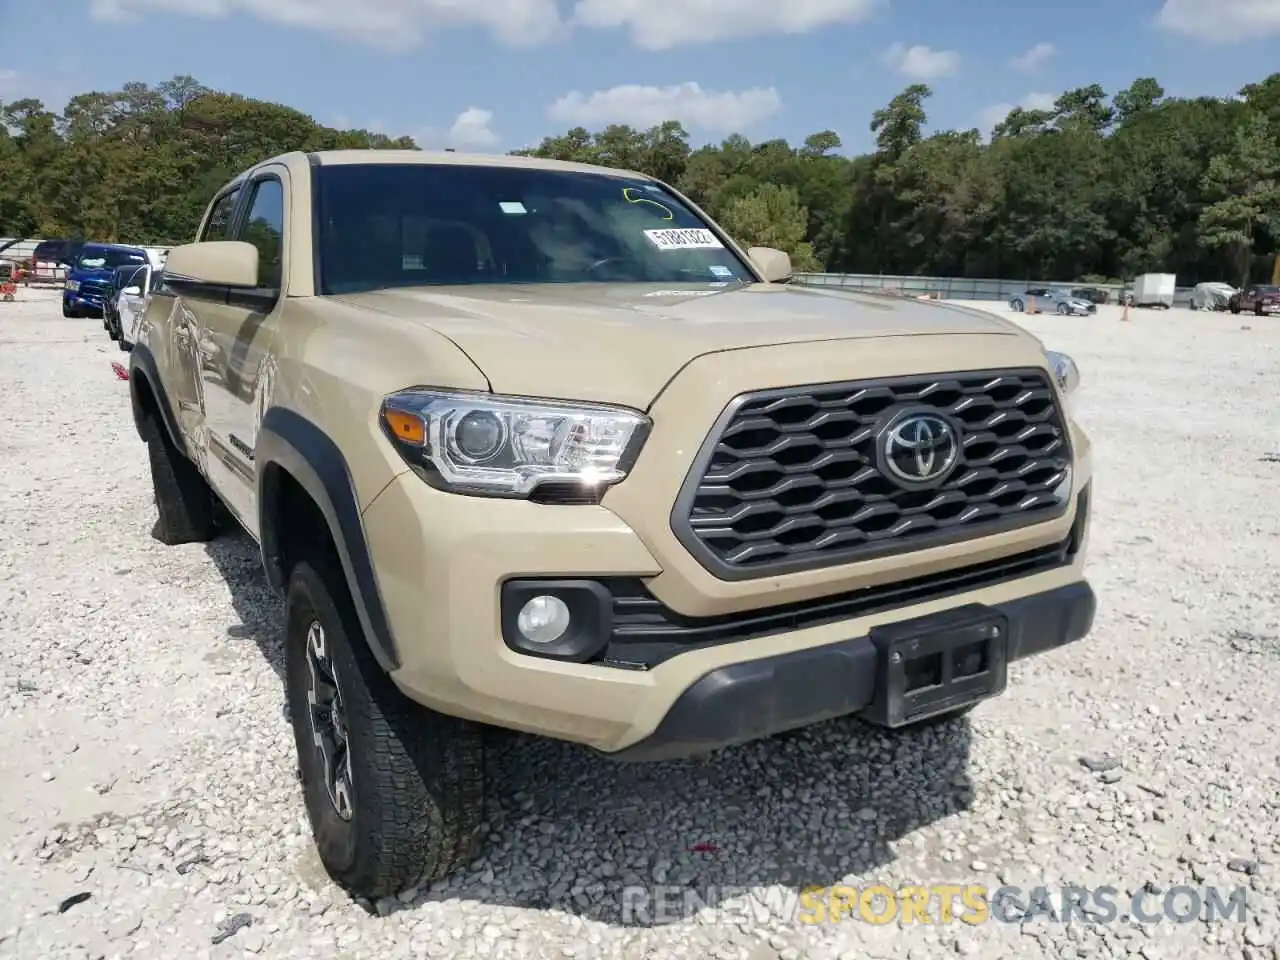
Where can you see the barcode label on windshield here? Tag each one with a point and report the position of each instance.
(683, 239)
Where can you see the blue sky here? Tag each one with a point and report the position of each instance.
(497, 74)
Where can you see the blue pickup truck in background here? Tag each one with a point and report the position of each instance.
(91, 275)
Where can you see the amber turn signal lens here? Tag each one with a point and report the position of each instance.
(406, 427)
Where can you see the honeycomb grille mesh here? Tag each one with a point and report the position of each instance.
(791, 479)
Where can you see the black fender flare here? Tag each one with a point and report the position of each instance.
(290, 442)
(142, 368)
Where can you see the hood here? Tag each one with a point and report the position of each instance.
(91, 273)
(616, 343)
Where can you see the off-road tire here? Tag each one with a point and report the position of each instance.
(417, 777)
(184, 502)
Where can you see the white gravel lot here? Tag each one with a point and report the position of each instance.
(148, 765)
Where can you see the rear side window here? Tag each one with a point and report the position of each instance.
(264, 228)
(218, 226)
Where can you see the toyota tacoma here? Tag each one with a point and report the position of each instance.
(536, 446)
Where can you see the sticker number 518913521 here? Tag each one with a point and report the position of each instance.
(677, 239)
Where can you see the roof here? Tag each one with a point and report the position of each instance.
(333, 158)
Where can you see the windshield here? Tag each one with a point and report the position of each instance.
(108, 258)
(50, 250)
(393, 225)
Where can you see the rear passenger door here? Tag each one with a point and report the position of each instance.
(178, 305)
(235, 342)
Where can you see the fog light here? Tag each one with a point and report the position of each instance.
(543, 619)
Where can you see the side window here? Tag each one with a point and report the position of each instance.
(264, 228)
(219, 224)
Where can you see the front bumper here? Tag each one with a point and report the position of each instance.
(759, 698)
(90, 303)
(442, 564)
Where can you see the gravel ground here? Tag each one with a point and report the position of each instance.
(149, 795)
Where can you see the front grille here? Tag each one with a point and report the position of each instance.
(793, 479)
(645, 632)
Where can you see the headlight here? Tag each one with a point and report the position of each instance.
(484, 445)
(1067, 374)
(73, 285)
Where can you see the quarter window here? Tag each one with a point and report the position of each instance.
(264, 228)
(218, 226)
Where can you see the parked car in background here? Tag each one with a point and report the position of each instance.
(1212, 296)
(1046, 300)
(90, 279)
(1261, 298)
(51, 260)
(1092, 294)
(125, 278)
(132, 303)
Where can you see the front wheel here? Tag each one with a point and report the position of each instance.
(1063, 309)
(1018, 306)
(394, 792)
(69, 311)
(1235, 309)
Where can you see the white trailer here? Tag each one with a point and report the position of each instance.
(1154, 290)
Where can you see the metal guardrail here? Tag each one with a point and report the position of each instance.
(959, 288)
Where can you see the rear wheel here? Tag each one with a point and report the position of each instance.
(394, 792)
(1018, 305)
(1063, 309)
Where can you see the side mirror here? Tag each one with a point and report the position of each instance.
(774, 265)
(133, 291)
(226, 263)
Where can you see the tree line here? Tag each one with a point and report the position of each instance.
(1098, 187)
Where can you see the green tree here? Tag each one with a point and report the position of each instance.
(1091, 187)
(772, 216)
(1245, 185)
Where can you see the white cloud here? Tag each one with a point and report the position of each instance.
(663, 24)
(1222, 21)
(920, 62)
(1035, 58)
(395, 24)
(709, 110)
(988, 117)
(402, 24)
(472, 130)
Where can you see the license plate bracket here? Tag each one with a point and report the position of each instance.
(938, 663)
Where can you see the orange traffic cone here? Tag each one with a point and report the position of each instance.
(1031, 304)
(1125, 316)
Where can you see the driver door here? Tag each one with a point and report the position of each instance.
(234, 346)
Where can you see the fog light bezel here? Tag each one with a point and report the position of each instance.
(590, 618)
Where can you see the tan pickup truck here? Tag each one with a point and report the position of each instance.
(537, 446)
